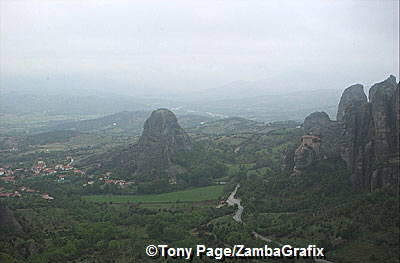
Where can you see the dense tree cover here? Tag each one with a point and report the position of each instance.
(70, 229)
(319, 207)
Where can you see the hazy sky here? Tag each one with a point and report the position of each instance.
(191, 45)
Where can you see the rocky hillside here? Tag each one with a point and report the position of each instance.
(365, 135)
(351, 95)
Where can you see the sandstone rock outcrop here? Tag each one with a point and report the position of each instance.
(319, 124)
(152, 158)
(365, 135)
(351, 95)
(370, 137)
(162, 138)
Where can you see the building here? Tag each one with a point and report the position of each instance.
(46, 196)
(311, 141)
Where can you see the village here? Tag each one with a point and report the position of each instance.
(11, 179)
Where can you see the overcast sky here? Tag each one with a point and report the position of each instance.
(190, 45)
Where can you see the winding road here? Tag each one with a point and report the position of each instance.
(232, 200)
(236, 201)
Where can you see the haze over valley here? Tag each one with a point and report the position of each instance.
(133, 128)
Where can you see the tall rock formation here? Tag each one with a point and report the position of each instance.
(351, 95)
(161, 139)
(370, 137)
(365, 135)
(152, 157)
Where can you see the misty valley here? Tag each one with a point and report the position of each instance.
(101, 188)
(199, 131)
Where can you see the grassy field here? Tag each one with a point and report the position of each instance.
(191, 195)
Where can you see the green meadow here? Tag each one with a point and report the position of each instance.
(192, 195)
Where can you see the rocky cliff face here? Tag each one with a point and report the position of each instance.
(351, 95)
(365, 135)
(356, 145)
(162, 137)
(152, 157)
(370, 137)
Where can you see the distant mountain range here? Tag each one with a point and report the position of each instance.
(261, 107)
(63, 104)
(125, 122)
